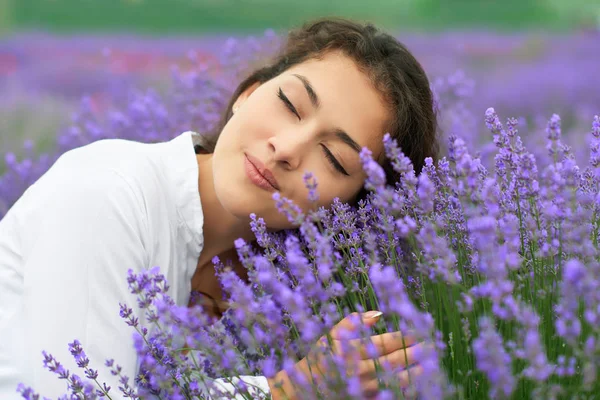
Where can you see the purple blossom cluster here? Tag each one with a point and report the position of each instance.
(497, 270)
(490, 255)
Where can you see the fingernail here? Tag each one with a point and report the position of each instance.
(373, 314)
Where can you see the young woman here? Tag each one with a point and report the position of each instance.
(104, 208)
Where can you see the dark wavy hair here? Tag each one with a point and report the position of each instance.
(392, 69)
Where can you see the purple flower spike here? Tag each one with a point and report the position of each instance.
(493, 360)
(375, 174)
(310, 182)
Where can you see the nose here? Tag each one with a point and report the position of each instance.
(289, 149)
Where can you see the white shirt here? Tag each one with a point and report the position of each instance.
(66, 246)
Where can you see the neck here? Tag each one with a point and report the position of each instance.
(220, 228)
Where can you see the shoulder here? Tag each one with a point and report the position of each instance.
(113, 164)
(157, 181)
(80, 185)
(112, 177)
(116, 155)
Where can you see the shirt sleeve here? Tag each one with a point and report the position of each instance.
(256, 386)
(88, 235)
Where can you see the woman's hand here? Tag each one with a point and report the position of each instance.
(393, 348)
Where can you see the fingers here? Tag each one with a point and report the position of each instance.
(400, 358)
(405, 378)
(383, 344)
(352, 321)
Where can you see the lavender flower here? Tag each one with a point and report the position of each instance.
(490, 255)
(493, 360)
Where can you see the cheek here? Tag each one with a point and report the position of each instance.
(225, 140)
(332, 188)
(259, 117)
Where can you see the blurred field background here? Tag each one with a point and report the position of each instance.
(201, 16)
(526, 58)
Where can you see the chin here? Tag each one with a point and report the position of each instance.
(233, 200)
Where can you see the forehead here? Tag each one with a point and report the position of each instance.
(348, 98)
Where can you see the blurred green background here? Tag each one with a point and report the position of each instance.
(199, 16)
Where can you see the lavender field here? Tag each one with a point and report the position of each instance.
(502, 233)
(526, 75)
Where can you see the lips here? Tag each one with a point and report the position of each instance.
(262, 170)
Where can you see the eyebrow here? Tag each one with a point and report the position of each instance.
(312, 95)
(315, 101)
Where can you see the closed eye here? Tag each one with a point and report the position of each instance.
(334, 161)
(330, 157)
(287, 103)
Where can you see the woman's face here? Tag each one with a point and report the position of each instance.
(314, 117)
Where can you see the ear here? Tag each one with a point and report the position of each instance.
(244, 95)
